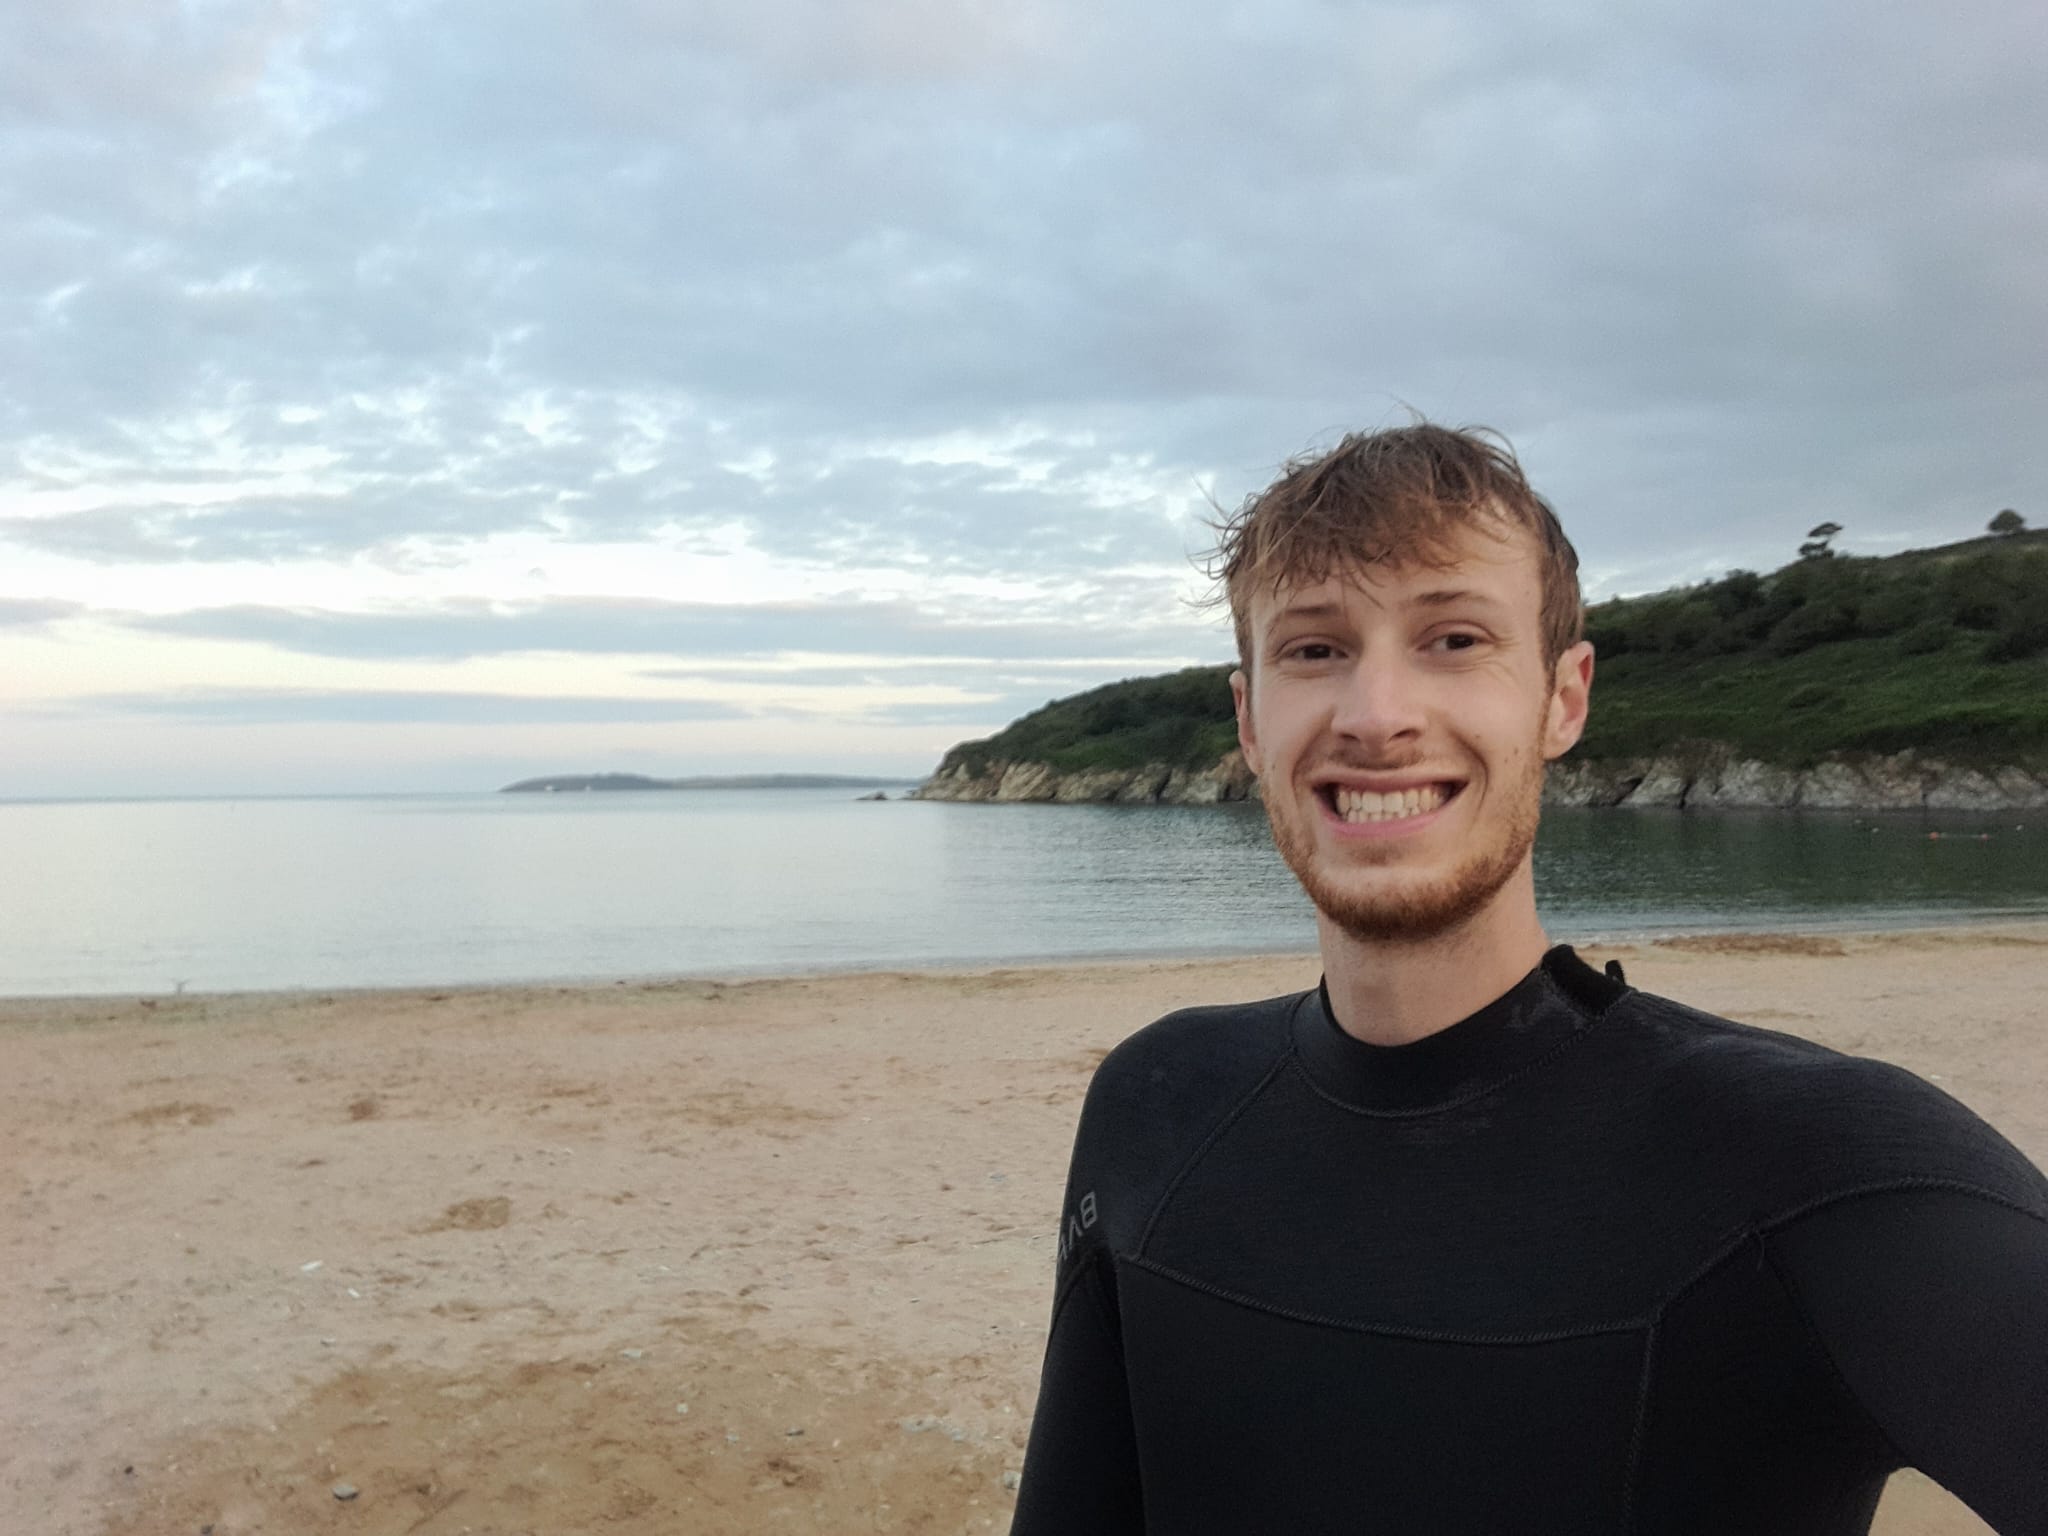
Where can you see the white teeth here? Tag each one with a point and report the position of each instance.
(1357, 805)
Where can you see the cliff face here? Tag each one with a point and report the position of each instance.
(1153, 784)
(1904, 781)
(1702, 778)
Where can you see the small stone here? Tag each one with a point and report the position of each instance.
(1011, 1480)
(732, 1439)
(328, 1342)
(344, 1491)
(794, 1429)
(307, 1269)
(632, 1354)
(682, 1407)
(355, 1293)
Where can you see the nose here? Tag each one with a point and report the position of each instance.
(1380, 707)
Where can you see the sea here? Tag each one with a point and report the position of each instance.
(164, 896)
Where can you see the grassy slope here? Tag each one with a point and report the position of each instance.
(1182, 719)
(1846, 696)
(1942, 650)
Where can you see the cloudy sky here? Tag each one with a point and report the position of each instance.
(419, 395)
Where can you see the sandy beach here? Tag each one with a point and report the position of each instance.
(679, 1257)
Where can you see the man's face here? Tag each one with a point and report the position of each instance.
(1399, 718)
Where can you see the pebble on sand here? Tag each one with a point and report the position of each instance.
(344, 1491)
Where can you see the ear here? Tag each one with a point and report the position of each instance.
(1247, 737)
(1571, 693)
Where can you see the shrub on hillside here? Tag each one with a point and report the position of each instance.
(2019, 635)
(1925, 638)
(1979, 593)
(1811, 624)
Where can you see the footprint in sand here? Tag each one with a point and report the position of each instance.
(481, 1214)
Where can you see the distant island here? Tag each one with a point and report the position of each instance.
(1917, 680)
(566, 783)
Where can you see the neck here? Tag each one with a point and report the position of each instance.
(1392, 992)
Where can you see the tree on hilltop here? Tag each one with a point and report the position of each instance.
(2007, 521)
(1816, 545)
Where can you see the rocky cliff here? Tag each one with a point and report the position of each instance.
(1708, 777)
(1703, 777)
(1152, 784)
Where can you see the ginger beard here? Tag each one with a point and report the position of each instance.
(1395, 908)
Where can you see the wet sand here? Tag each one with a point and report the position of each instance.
(682, 1257)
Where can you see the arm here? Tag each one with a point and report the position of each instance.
(1150, 1107)
(1081, 1469)
(1933, 1305)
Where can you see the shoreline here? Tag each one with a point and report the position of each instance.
(1858, 925)
(1705, 775)
(684, 1257)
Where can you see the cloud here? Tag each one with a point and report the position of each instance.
(962, 299)
(247, 706)
(704, 630)
(1060, 675)
(979, 717)
(682, 239)
(25, 613)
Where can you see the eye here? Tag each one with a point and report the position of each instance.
(1310, 650)
(1456, 640)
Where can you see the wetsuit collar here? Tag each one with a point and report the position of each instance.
(1537, 1015)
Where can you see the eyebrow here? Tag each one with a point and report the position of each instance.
(1449, 598)
(1308, 611)
(1442, 598)
(1436, 599)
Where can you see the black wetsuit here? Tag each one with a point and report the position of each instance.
(1587, 1261)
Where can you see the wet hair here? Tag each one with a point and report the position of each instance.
(1392, 497)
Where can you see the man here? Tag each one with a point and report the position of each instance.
(1473, 1238)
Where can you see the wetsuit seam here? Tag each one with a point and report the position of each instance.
(1800, 1310)
(1065, 1289)
(1639, 1430)
(1897, 1186)
(1753, 1230)
(1105, 1314)
(1230, 1118)
(1353, 1325)
(1583, 1030)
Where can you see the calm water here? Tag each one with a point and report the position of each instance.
(221, 895)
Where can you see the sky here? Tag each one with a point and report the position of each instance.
(428, 394)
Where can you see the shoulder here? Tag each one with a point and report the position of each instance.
(1809, 1122)
(1186, 1059)
(1155, 1100)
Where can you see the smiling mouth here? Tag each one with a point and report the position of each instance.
(1360, 806)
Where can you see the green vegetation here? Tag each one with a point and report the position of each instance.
(1944, 651)
(1183, 720)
